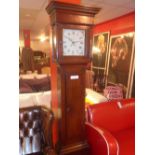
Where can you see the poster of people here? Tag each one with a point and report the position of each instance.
(99, 57)
(120, 65)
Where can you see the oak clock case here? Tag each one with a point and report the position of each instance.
(72, 36)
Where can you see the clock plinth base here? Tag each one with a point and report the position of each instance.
(79, 149)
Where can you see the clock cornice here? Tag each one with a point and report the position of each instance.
(58, 12)
(72, 7)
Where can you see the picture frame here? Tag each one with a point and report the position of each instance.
(120, 67)
(99, 58)
(131, 81)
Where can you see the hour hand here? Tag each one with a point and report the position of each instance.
(69, 39)
(76, 41)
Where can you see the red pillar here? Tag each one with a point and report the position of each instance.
(26, 34)
(68, 1)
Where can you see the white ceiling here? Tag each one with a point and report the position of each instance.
(33, 16)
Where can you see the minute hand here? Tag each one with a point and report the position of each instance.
(76, 41)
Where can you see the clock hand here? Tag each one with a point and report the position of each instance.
(69, 39)
(76, 42)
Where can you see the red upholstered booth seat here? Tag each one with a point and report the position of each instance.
(110, 128)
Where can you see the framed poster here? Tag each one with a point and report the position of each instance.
(120, 67)
(99, 58)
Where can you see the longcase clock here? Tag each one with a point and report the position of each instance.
(71, 41)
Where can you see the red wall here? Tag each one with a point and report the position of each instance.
(118, 25)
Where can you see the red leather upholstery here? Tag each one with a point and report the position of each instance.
(110, 128)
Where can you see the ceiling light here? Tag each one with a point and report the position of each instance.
(42, 38)
(27, 15)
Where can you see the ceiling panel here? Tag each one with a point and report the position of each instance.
(105, 9)
(31, 4)
(87, 2)
(90, 3)
(26, 24)
(111, 14)
(28, 13)
(116, 2)
(130, 4)
(42, 20)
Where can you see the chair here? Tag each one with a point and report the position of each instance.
(110, 128)
(35, 131)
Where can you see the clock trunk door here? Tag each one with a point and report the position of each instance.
(74, 105)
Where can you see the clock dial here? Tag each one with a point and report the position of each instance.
(73, 42)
